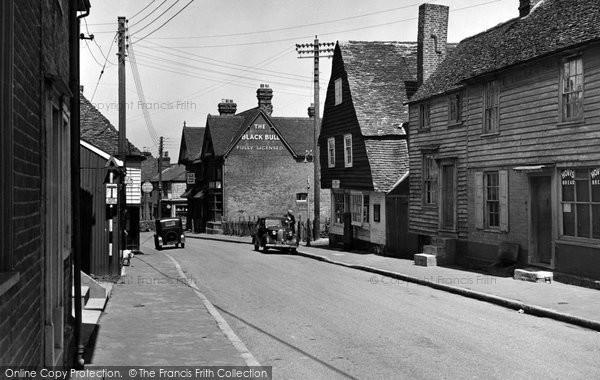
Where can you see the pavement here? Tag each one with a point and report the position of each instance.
(146, 323)
(562, 302)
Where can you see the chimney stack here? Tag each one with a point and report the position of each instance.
(432, 38)
(166, 160)
(311, 110)
(525, 6)
(264, 95)
(227, 107)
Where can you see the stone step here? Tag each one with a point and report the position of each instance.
(425, 260)
(434, 250)
(214, 231)
(96, 304)
(533, 275)
(90, 317)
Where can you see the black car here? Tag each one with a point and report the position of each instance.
(169, 231)
(275, 232)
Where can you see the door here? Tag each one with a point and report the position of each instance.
(541, 223)
(448, 212)
(396, 219)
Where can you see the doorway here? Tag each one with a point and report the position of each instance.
(541, 221)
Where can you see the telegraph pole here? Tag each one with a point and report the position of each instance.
(122, 44)
(160, 156)
(315, 50)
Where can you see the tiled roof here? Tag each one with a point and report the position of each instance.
(174, 173)
(388, 160)
(193, 138)
(225, 131)
(377, 75)
(98, 131)
(551, 26)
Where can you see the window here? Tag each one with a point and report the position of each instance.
(348, 151)
(338, 208)
(455, 108)
(572, 89)
(491, 115)
(580, 198)
(492, 200)
(360, 209)
(331, 152)
(301, 197)
(338, 91)
(424, 113)
(377, 212)
(430, 178)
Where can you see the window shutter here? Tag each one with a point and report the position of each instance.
(479, 200)
(503, 178)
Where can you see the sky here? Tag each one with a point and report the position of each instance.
(191, 54)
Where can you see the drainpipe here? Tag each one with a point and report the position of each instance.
(74, 21)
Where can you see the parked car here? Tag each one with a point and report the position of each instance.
(274, 232)
(169, 231)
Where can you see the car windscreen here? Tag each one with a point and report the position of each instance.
(270, 223)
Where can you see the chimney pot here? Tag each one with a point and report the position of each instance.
(264, 95)
(227, 107)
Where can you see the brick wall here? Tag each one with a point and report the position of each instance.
(41, 48)
(431, 51)
(263, 182)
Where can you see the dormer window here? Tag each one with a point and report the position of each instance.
(338, 91)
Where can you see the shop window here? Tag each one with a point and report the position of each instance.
(360, 209)
(580, 203)
(338, 207)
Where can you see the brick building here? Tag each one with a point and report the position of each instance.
(39, 192)
(257, 164)
(504, 142)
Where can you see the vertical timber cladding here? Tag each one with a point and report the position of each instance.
(261, 176)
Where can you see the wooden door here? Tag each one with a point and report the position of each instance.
(541, 213)
(396, 217)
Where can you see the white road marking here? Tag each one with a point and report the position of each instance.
(221, 322)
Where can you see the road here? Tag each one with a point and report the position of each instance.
(313, 320)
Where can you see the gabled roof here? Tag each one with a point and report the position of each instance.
(551, 26)
(98, 131)
(192, 139)
(379, 75)
(225, 131)
(388, 160)
(174, 173)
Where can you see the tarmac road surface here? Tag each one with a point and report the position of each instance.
(313, 320)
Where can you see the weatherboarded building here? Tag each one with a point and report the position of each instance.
(510, 121)
(257, 164)
(363, 144)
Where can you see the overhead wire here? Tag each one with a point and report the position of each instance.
(156, 19)
(103, 68)
(166, 22)
(148, 15)
(143, 9)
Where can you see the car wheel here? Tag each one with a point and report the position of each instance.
(182, 245)
(265, 249)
